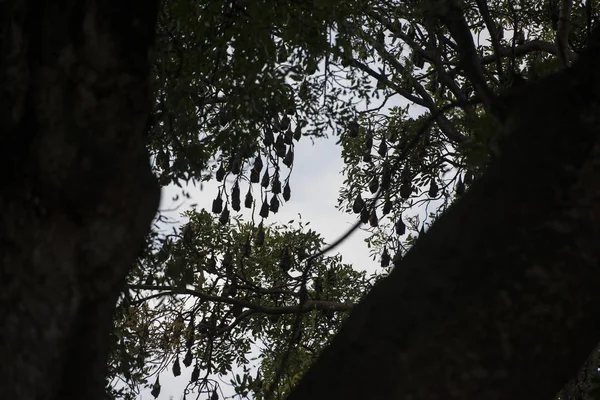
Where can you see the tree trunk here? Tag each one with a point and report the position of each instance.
(78, 195)
(500, 299)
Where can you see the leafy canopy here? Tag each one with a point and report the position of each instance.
(238, 83)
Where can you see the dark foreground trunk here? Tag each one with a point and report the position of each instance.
(501, 298)
(77, 195)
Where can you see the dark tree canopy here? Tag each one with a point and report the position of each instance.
(499, 136)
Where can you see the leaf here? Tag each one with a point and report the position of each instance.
(224, 118)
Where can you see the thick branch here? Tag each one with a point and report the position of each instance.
(307, 306)
(526, 48)
(498, 304)
(562, 32)
(494, 35)
(445, 125)
(450, 13)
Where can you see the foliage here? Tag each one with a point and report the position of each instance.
(208, 294)
(414, 60)
(238, 83)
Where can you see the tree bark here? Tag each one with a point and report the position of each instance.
(77, 193)
(500, 299)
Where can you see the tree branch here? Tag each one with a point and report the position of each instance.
(445, 125)
(450, 13)
(492, 305)
(306, 307)
(494, 35)
(562, 32)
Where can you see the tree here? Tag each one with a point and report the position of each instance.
(209, 294)
(515, 165)
(510, 309)
(455, 93)
(78, 195)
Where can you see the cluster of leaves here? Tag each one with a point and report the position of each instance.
(210, 293)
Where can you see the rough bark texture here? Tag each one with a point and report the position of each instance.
(585, 381)
(77, 195)
(500, 299)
